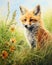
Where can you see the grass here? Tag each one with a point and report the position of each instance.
(14, 49)
(48, 20)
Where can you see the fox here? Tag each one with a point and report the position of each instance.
(36, 33)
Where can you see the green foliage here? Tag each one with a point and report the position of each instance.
(10, 41)
(35, 57)
(48, 20)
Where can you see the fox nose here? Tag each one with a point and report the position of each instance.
(26, 26)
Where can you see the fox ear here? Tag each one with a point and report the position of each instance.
(23, 10)
(37, 10)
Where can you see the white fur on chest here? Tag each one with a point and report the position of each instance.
(30, 36)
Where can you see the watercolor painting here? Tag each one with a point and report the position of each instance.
(16, 16)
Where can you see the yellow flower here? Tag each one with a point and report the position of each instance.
(4, 54)
(13, 40)
(12, 48)
(12, 28)
(7, 43)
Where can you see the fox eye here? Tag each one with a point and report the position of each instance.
(35, 20)
(25, 19)
(31, 20)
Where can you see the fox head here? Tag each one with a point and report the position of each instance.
(32, 18)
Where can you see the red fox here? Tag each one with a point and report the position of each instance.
(36, 34)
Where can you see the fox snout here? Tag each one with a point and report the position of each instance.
(26, 26)
(30, 27)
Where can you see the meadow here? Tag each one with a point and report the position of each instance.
(14, 49)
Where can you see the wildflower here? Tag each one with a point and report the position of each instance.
(12, 48)
(7, 43)
(4, 54)
(12, 28)
(13, 40)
